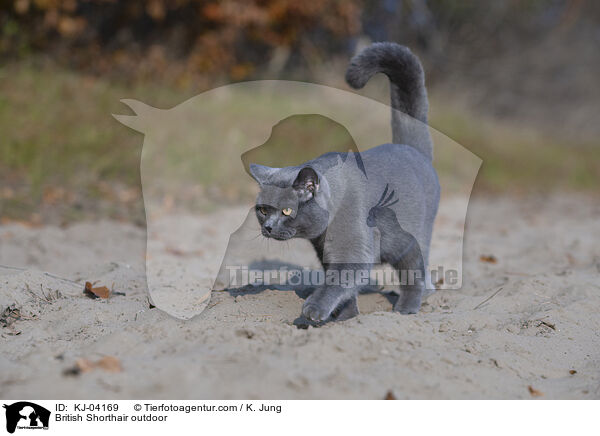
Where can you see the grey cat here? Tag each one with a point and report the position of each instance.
(335, 201)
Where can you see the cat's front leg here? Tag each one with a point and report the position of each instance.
(346, 310)
(337, 296)
(320, 305)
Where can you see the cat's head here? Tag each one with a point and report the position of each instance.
(291, 203)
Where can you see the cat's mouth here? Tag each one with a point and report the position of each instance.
(278, 236)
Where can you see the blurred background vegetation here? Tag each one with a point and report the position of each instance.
(516, 82)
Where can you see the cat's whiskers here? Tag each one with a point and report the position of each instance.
(265, 242)
(254, 238)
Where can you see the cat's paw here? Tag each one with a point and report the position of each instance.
(407, 307)
(407, 310)
(408, 303)
(315, 312)
(303, 323)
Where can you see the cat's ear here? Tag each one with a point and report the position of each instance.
(307, 181)
(261, 173)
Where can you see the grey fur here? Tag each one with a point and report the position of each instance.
(340, 208)
(408, 92)
(401, 250)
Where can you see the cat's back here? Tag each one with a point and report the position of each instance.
(406, 170)
(396, 164)
(386, 152)
(390, 159)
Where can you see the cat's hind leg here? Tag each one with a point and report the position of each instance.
(408, 262)
(409, 301)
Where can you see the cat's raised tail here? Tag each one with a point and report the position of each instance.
(408, 92)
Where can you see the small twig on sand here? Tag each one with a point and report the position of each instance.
(43, 272)
(12, 267)
(549, 325)
(488, 298)
(61, 278)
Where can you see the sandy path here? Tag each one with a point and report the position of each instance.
(543, 324)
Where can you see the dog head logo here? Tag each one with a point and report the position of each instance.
(26, 415)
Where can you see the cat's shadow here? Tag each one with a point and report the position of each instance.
(302, 290)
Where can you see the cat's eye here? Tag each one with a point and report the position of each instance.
(262, 210)
(287, 211)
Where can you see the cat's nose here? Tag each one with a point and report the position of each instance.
(268, 229)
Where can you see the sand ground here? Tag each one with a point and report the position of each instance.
(540, 328)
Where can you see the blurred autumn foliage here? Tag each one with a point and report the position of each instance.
(200, 40)
(230, 36)
(515, 81)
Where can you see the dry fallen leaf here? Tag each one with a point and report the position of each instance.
(110, 364)
(99, 292)
(84, 365)
(390, 396)
(572, 372)
(107, 363)
(489, 258)
(534, 392)
(87, 290)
